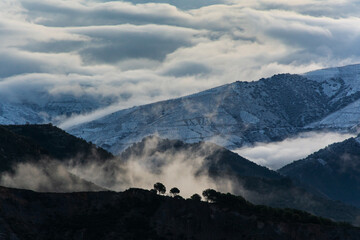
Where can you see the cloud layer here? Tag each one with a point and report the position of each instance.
(139, 51)
(182, 168)
(278, 154)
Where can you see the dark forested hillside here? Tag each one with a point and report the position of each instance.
(259, 184)
(30, 157)
(139, 214)
(58, 143)
(334, 171)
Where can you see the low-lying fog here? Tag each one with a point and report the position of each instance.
(277, 154)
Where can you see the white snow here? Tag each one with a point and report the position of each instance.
(357, 140)
(248, 117)
(350, 74)
(348, 117)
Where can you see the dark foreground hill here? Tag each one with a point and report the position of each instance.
(141, 214)
(36, 157)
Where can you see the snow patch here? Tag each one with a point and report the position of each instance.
(248, 117)
(348, 117)
(357, 140)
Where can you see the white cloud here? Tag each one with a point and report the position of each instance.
(277, 154)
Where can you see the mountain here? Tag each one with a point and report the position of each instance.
(240, 113)
(43, 107)
(37, 157)
(218, 167)
(141, 214)
(15, 148)
(334, 171)
(217, 160)
(59, 144)
(30, 157)
(340, 85)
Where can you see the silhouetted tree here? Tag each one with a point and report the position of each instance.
(196, 197)
(160, 188)
(174, 191)
(178, 197)
(210, 195)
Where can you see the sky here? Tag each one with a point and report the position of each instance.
(143, 51)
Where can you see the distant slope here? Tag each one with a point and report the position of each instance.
(239, 113)
(256, 183)
(140, 214)
(334, 170)
(230, 115)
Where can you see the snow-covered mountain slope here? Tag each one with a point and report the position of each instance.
(339, 82)
(345, 118)
(231, 115)
(18, 114)
(342, 85)
(239, 113)
(47, 108)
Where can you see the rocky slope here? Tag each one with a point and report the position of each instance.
(139, 214)
(239, 113)
(334, 171)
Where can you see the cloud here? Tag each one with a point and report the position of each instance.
(132, 42)
(187, 68)
(46, 176)
(184, 168)
(277, 154)
(138, 52)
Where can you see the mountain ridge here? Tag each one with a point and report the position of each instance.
(232, 115)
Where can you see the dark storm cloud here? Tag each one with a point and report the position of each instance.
(187, 68)
(116, 43)
(108, 13)
(54, 46)
(11, 64)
